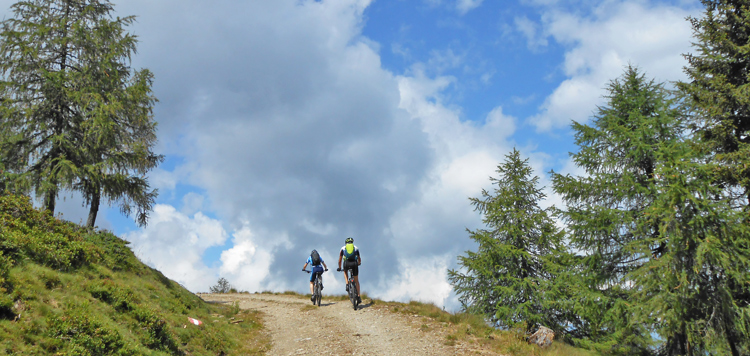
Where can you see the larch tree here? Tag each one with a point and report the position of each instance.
(717, 86)
(74, 114)
(607, 208)
(505, 278)
(719, 99)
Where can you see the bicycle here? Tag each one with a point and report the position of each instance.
(353, 295)
(318, 287)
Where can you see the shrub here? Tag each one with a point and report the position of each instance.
(83, 334)
(222, 286)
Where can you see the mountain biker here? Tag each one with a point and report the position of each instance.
(352, 261)
(315, 261)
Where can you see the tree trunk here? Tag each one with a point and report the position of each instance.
(94, 209)
(49, 201)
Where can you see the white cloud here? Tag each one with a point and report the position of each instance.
(465, 6)
(424, 279)
(530, 29)
(247, 263)
(174, 244)
(600, 45)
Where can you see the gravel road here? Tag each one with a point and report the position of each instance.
(334, 328)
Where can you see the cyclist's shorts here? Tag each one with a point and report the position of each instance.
(353, 266)
(316, 270)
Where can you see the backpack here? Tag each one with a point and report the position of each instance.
(349, 252)
(315, 258)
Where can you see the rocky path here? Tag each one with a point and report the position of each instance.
(299, 328)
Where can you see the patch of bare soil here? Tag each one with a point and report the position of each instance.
(299, 328)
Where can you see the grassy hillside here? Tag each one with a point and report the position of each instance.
(67, 290)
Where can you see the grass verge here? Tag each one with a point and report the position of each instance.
(473, 331)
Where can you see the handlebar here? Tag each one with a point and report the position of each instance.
(304, 270)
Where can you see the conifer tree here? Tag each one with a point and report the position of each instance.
(607, 208)
(689, 294)
(720, 102)
(505, 278)
(74, 115)
(717, 86)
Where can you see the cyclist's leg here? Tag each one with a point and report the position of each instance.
(355, 276)
(312, 279)
(346, 276)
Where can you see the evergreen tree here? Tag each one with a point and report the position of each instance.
(689, 294)
(74, 115)
(504, 280)
(222, 286)
(717, 86)
(607, 209)
(719, 99)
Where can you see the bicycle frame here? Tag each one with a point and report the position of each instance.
(317, 288)
(353, 295)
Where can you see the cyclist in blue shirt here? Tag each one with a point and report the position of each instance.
(315, 261)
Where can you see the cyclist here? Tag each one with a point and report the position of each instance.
(352, 262)
(315, 261)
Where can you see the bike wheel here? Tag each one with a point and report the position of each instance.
(318, 293)
(353, 295)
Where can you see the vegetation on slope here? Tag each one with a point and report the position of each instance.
(69, 290)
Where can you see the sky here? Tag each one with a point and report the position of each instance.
(289, 125)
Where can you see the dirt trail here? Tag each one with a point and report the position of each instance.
(298, 328)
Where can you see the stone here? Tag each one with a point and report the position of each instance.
(542, 337)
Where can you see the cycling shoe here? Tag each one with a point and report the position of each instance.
(347, 288)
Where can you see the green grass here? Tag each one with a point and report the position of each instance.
(68, 290)
(470, 328)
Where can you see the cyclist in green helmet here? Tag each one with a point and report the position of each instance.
(352, 259)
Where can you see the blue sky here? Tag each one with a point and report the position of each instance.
(289, 125)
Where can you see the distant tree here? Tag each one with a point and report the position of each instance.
(608, 209)
(222, 286)
(74, 115)
(505, 278)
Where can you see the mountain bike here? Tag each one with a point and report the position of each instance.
(353, 295)
(317, 288)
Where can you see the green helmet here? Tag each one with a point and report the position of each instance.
(349, 240)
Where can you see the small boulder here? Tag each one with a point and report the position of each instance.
(542, 337)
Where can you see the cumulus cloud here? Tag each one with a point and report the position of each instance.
(423, 279)
(297, 138)
(174, 244)
(600, 44)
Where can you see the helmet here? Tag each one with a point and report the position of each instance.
(349, 240)
(313, 251)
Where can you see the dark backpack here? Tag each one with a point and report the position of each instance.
(315, 258)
